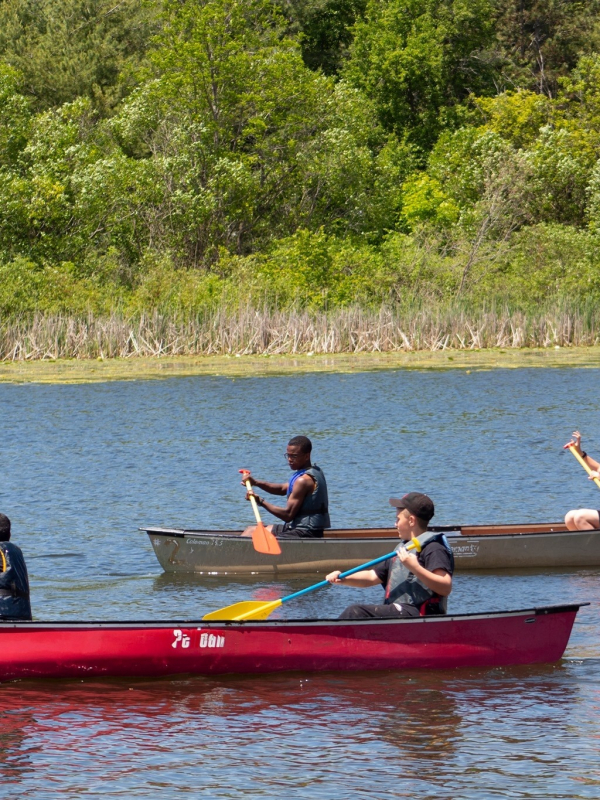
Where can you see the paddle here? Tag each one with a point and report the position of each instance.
(262, 539)
(571, 447)
(251, 609)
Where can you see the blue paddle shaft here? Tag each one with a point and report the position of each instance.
(368, 565)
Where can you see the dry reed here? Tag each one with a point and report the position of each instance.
(250, 331)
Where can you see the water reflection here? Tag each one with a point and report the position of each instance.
(443, 735)
(13, 745)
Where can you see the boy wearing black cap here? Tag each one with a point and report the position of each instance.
(14, 581)
(415, 584)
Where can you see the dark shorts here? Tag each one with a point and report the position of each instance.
(284, 532)
(383, 611)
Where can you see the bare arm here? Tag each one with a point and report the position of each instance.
(266, 486)
(367, 577)
(303, 486)
(271, 488)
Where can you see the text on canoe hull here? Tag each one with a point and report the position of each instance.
(205, 639)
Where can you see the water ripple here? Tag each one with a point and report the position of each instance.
(88, 464)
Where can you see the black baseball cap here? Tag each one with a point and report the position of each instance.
(418, 504)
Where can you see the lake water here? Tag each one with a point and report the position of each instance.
(85, 465)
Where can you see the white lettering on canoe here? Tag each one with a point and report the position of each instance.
(204, 542)
(466, 550)
(211, 640)
(181, 638)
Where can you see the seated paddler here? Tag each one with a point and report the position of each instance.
(14, 581)
(306, 512)
(417, 583)
(583, 519)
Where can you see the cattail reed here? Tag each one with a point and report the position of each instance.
(263, 332)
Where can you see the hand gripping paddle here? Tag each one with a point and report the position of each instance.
(571, 447)
(262, 539)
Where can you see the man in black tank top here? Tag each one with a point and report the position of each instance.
(306, 512)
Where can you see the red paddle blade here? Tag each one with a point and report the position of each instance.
(264, 541)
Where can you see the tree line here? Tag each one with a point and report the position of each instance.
(193, 154)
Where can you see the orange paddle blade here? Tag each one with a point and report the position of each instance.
(264, 541)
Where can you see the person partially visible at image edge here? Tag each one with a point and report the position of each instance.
(583, 519)
(14, 581)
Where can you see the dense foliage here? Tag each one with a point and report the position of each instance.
(192, 154)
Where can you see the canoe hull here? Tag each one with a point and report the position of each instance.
(81, 650)
(227, 553)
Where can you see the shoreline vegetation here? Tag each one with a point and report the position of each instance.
(65, 349)
(209, 178)
(250, 331)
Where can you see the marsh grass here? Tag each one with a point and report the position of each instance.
(250, 331)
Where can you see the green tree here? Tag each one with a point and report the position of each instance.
(325, 30)
(36, 190)
(15, 116)
(515, 116)
(417, 59)
(68, 48)
(560, 171)
(236, 143)
(540, 41)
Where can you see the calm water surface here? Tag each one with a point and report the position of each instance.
(84, 466)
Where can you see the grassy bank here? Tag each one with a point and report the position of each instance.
(148, 368)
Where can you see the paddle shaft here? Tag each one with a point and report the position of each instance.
(409, 546)
(583, 464)
(253, 502)
(368, 565)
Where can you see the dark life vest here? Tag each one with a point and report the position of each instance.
(403, 586)
(14, 583)
(314, 511)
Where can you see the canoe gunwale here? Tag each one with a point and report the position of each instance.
(377, 534)
(559, 608)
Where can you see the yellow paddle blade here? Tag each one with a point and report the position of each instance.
(247, 609)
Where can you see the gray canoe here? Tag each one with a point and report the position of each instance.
(475, 547)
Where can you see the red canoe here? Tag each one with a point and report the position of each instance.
(85, 649)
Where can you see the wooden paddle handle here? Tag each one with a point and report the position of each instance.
(253, 502)
(571, 447)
